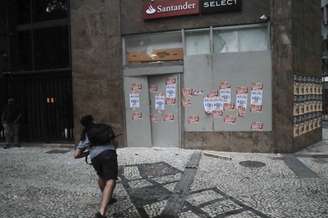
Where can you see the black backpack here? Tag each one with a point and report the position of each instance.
(100, 134)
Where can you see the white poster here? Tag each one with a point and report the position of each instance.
(208, 105)
(257, 97)
(213, 104)
(241, 97)
(170, 90)
(218, 104)
(241, 101)
(134, 100)
(225, 94)
(159, 102)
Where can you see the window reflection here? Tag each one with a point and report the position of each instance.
(198, 42)
(240, 40)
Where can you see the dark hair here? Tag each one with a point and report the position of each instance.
(86, 120)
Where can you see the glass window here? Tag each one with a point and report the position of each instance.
(240, 40)
(225, 41)
(51, 48)
(197, 42)
(253, 39)
(50, 9)
(154, 47)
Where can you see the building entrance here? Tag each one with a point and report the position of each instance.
(165, 114)
(46, 103)
(153, 113)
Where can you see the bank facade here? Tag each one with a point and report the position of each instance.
(227, 75)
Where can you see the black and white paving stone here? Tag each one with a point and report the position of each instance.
(164, 182)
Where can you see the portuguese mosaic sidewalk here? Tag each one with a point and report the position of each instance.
(167, 182)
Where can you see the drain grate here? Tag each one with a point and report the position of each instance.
(252, 164)
(56, 151)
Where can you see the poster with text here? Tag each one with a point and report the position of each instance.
(171, 91)
(153, 88)
(241, 100)
(136, 87)
(168, 117)
(171, 88)
(197, 92)
(214, 103)
(257, 97)
(213, 93)
(136, 115)
(170, 101)
(208, 105)
(217, 114)
(228, 119)
(257, 126)
(160, 102)
(155, 118)
(225, 94)
(134, 100)
(193, 119)
(218, 104)
(186, 92)
(186, 102)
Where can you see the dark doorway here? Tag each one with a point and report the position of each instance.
(46, 102)
(35, 66)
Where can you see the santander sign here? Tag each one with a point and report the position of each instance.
(170, 8)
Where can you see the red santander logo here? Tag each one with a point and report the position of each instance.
(170, 8)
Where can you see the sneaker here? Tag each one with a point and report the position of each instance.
(98, 215)
(112, 201)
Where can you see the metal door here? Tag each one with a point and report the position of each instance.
(165, 110)
(137, 112)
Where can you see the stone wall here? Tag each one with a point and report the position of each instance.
(282, 74)
(96, 62)
(296, 48)
(306, 44)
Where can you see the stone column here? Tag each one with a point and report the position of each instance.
(306, 45)
(282, 75)
(96, 62)
(295, 49)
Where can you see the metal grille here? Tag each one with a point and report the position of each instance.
(46, 102)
